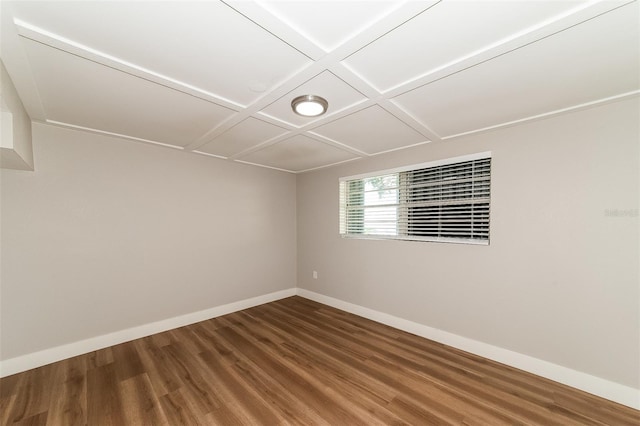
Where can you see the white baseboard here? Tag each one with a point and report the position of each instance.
(595, 385)
(604, 388)
(47, 356)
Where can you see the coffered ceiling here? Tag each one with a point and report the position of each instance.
(217, 78)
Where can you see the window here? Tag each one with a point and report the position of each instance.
(446, 201)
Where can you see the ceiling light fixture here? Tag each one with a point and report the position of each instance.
(309, 105)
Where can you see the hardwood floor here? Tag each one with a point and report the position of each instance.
(293, 361)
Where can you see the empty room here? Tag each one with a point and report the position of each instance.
(320, 212)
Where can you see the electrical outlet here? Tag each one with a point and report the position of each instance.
(315, 275)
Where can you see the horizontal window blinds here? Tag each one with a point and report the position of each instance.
(371, 205)
(449, 201)
(445, 202)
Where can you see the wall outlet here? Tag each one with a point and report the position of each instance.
(315, 275)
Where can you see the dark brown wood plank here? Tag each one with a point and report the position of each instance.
(297, 381)
(99, 358)
(68, 402)
(39, 419)
(195, 387)
(139, 402)
(408, 385)
(32, 396)
(127, 362)
(104, 405)
(293, 361)
(154, 360)
(179, 410)
(237, 392)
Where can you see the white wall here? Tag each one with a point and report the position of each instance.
(109, 234)
(559, 281)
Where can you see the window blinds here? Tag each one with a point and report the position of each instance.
(446, 201)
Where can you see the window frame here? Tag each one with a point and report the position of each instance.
(398, 170)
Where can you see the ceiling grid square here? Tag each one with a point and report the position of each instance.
(372, 130)
(341, 94)
(86, 94)
(297, 154)
(242, 136)
(550, 74)
(446, 32)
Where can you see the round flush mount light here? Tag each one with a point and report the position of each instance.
(309, 105)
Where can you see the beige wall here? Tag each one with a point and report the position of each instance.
(108, 234)
(560, 279)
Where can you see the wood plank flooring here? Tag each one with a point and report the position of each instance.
(294, 362)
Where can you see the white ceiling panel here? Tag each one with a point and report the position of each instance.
(448, 31)
(298, 153)
(83, 93)
(328, 24)
(339, 94)
(204, 44)
(244, 135)
(576, 66)
(218, 77)
(371, 130)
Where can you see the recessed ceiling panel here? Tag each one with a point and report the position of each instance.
(444, 33)
(338, 93)
(329, 23)
(83, 93)
(246, 134)
(204, 44)
(371, 130)
(298, 153)
(575, 66)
